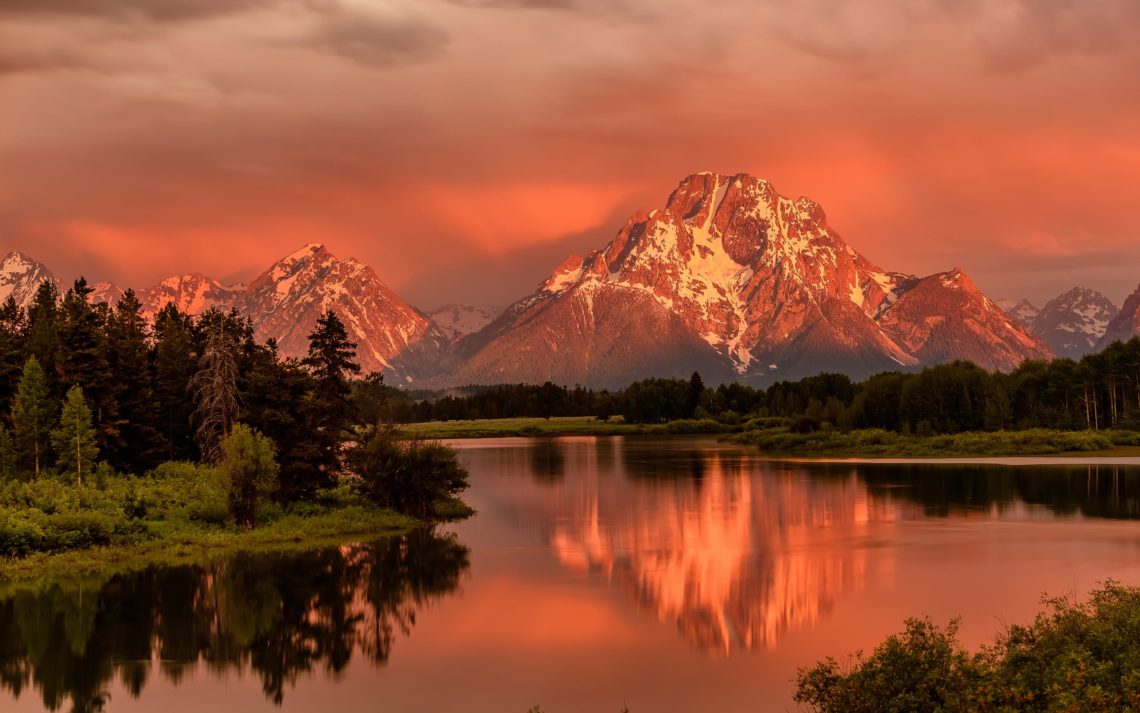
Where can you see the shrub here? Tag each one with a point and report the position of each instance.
(248, 460)
(1073, 657)
(410, 476)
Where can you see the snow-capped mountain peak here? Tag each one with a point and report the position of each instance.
(285, 301)
(1074, 322)
(762, 280)
(20, 277)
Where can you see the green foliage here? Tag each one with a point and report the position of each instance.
(1073, 657)
(32, 415)
(250, 465)
(922, 669)
(410, 476)
(875, 441)
(74, 439)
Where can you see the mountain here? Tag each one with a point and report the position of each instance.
(1074, 323)
(458, 320)
(105, 292)
(1023, 311)
(1126, 324)
(285, 301)
(736, 281)
(193, 293)
(20, 277)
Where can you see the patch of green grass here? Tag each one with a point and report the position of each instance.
(888, 444)
(179, 543)
(559, 426)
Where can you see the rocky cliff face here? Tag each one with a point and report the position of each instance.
(1126, 324)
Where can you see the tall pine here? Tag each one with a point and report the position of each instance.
(43, 332)
(174, 367)
(13, 330)
(74, 439)
(129, 358)
(32, 416)
(83, 361)
(331, 361)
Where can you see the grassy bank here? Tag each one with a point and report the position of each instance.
(888, 444)
(564, 426)
(54, 530)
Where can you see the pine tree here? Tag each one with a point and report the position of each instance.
(277, 400)
(215, 388)
(174, 368)
(43, 332)
(32, 415)
(693, 397)
(7, 454)
(331, 362)
(129, 357)
(83, 361)
(74, 439)
(13, 328)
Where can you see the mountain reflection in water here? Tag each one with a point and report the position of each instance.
(737, 551)
(275, 615)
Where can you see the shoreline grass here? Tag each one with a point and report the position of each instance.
(877, 443)
(174, 544)
(558, 426)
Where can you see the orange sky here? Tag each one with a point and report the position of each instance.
(464, 147)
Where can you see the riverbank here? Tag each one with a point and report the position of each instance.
(56, 531)
(876, 443)
(560, 426)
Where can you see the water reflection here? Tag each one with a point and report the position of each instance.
(737, 551)
(278, 616)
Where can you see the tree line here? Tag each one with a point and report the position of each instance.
(1099, 391)
(89, 389)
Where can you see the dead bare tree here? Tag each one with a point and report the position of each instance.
(215, 388)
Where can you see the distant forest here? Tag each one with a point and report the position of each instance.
(1101, 391)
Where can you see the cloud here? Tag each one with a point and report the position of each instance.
(1019, 34)
(612, 9)
(130, 10)
(376, 35)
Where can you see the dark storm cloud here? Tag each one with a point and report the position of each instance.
(375, 40)
(627, 9)
(126, 10)
(1043, 29)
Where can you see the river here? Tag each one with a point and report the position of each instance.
(662, 574)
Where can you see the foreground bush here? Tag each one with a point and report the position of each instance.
(411, 476)
(1073, 657)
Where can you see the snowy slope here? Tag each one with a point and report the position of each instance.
(20, 277)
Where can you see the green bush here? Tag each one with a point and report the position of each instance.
(1073, 657)
(410, 476)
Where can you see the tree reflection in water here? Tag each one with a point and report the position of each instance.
(277, 615)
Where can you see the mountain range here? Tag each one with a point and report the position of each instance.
(728, 278)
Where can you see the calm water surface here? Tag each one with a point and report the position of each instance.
(666, 575)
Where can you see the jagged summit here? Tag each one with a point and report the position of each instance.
(1073, 323)
(20, 277)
